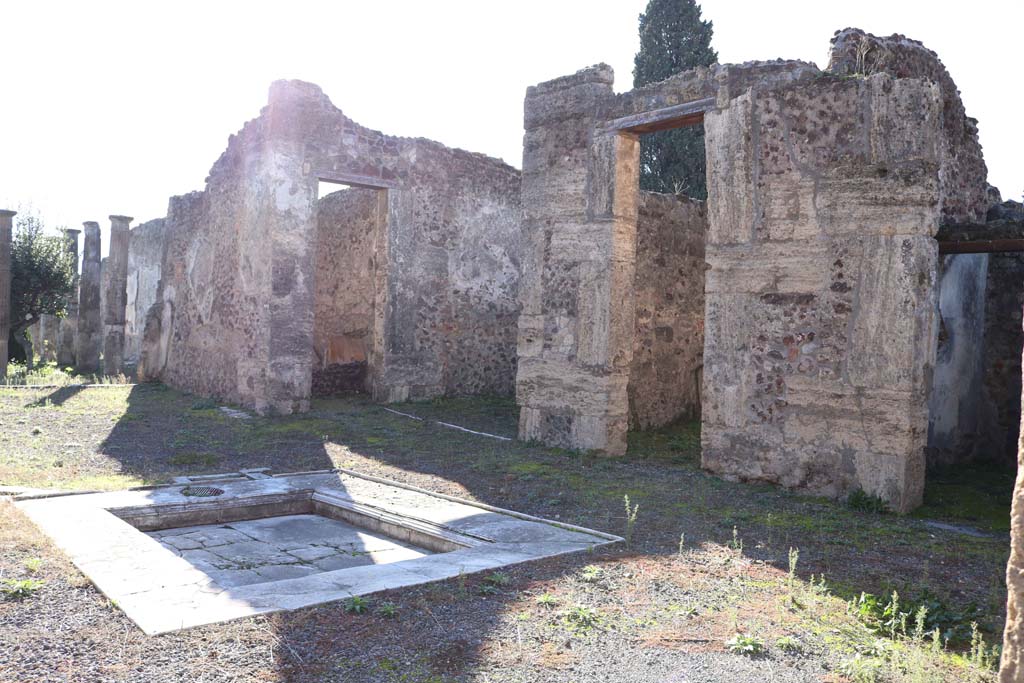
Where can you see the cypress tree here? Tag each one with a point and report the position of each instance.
(673, 38)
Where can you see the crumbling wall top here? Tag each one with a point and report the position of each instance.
(856, 52)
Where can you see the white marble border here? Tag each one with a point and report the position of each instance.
(162, 592)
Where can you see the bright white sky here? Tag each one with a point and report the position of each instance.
(110, 108)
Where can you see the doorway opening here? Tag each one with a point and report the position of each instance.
(974, 405)
(349, 236)
(666, 373)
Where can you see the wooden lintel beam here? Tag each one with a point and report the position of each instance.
(369, 182)
(677, 116)
(982, 246)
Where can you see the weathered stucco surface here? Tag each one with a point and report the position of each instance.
(1004, 305)
(821, 293)
(668, 346)
(145, 258)
(956, 419)
(343, 323)
(236, 306)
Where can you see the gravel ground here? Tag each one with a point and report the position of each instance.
(659, 611)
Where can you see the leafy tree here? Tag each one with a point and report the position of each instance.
(42, 278)
(673, 38)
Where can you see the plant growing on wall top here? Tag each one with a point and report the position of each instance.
(673, 38)
(42, 278)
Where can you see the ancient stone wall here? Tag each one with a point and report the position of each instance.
(668, 347)
(238, 278)
(962, 181)
(207, 328)
(575, 334)
(343, 323)
(824, 196)
(823, 200)
(145, 258)
(580, 204)
(471, 231)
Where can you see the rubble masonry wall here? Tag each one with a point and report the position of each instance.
(236, 317)
(668, 346)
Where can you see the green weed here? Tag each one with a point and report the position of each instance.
(356, 605)
(862, 501)
(19, 589)
(581, 619)
(631, 514)
(547, 600)
(743, 644)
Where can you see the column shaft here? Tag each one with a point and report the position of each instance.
(116, 298)
(90, 330)
(6, 230)
(69, 324)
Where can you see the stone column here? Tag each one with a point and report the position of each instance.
(116, 296)
(69, 324)
(5, 285)
(89, 327)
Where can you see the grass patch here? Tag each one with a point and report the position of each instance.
(113, 438)
(19, 589)
(193, 459)
(862, 501)
(978, 495)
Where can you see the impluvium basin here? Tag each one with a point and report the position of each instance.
(171, 559)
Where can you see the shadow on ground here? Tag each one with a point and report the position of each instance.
(152, 433)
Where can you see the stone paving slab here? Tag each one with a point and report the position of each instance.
(212, 569)
(278, 548)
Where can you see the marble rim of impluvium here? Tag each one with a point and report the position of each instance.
(104, 535)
